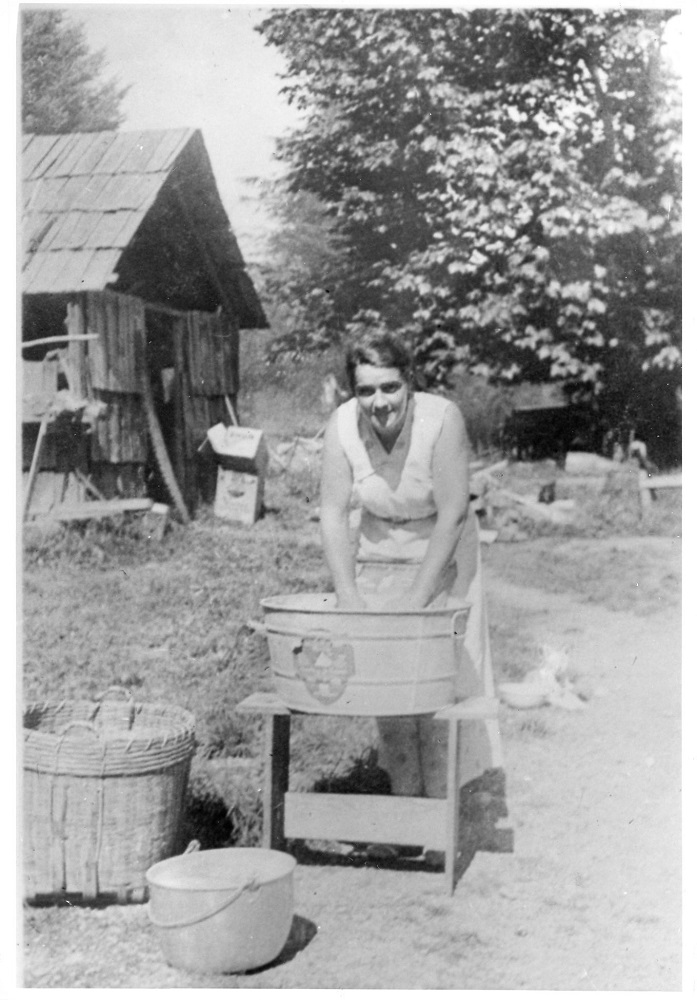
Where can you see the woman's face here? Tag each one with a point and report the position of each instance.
(383, 396)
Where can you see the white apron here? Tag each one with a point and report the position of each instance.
(394, 491)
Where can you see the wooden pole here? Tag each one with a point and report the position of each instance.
(59, 340)
(180, 458)
(34, 468)
(160, 449)
(276, 766)
(231, 411)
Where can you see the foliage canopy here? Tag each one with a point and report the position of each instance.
(507, 182)
(62, 90)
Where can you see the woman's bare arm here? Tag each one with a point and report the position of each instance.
(451, 494)
(335, 498)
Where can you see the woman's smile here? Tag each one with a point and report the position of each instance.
(383, 396)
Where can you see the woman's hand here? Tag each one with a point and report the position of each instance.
(350, 602)
(407, 600)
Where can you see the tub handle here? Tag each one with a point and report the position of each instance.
(453, 621)
(252, 884)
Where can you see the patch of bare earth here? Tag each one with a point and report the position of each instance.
(588, 900)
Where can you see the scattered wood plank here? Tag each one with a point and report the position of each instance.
(648, 483)
(95, 509)
(98, 509)
(160, 449)
(537, 510)
(88, 484)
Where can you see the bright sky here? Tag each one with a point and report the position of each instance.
(203, 67)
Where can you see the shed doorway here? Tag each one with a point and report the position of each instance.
(164, 379)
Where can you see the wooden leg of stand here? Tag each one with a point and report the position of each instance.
(34, 469)
(453, 807)
(277, 755)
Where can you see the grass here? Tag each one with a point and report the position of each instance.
(169, 620)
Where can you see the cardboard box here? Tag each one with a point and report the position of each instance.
(240, 448)
(238, 496)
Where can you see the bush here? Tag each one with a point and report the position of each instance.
(485, 409)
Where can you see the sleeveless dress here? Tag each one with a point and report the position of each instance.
(394, 494)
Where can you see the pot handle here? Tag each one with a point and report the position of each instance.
(252, 884)
(257, 626)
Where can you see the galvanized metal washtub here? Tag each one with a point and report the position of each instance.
(335, 661)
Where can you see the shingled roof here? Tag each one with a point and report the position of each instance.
(85, 196)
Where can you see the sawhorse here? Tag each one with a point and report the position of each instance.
(386, 819)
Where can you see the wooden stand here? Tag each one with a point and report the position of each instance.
(647, 485)
(388, 819)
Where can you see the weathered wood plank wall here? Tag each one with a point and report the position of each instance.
(110, 368)
(210, 351)
(116, 359)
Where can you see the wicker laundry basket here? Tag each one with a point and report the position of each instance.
(104, 786)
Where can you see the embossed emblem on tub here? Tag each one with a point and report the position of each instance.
(325, 668)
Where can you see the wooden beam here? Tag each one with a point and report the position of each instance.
(386, 819)
(34, 468)
(72, 337)
(647, 484)
(88, 484)
(180, 388)
(452, 811)
(160, 449)
(97, 509)
(158, 307)
(276, 765)
(662, 482)
(263, 703)
(231, 411)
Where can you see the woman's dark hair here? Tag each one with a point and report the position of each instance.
(384, 350)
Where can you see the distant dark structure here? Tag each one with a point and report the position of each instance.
(547, 425)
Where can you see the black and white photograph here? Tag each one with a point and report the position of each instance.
(349, 412)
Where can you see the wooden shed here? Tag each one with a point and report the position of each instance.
(130, 262)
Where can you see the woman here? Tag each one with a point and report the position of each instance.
(404, 456)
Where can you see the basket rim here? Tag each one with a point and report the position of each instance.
(111, 751)
(176, 712)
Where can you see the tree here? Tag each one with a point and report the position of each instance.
(61, 86)
(305, 277)
(508, 181)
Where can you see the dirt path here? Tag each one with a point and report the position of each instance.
(589, 899)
